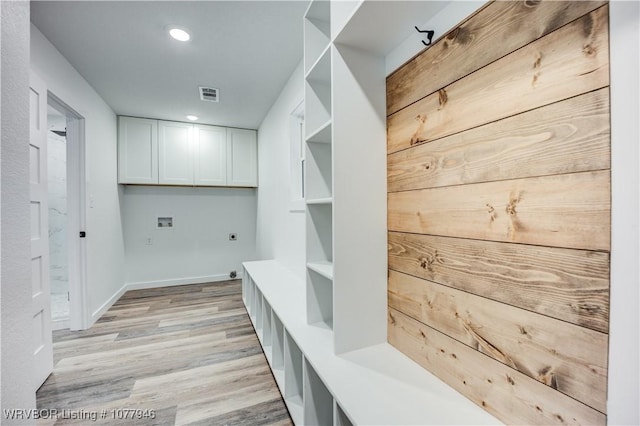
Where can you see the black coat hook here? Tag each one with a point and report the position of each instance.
(429, 34)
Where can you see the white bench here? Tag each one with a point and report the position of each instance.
(374, 385)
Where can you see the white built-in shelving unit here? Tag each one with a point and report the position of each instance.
(319, 166)
(325, 336)
(346, 220)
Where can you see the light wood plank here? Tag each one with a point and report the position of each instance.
(565, 137)
(571, 285)
(568, 62)
(187, 352)
(499, 28)
(504, 392)
(570, 211)
(564, 356)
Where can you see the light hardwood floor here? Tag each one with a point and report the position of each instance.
(188, 352)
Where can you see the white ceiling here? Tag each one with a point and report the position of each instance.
(247, 49)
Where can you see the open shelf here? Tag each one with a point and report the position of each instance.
(319, 173)
(319, 300)
(258, 323)
(322, 134)
(323, 268)
(320, 201)
(277, 336)
(266, 329)
(318, 402)
(319, 232)
(248, 287)
(317, 31)
(392, 24)
(320, 71)
(317, 104)
(293, 390)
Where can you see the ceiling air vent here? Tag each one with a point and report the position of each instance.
(208, 94)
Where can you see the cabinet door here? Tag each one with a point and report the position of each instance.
(210, 155)
(137, 150)
(175, 153)
(242, 158)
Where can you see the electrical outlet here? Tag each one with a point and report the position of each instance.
(233, 236)
(149, 241)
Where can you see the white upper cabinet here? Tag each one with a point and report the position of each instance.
(154, 152)
(242, 158)
(210, 148)
(175, 153)
(137, 150)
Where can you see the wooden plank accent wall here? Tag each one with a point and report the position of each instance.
(499, 210)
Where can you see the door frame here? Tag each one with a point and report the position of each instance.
(79, 316)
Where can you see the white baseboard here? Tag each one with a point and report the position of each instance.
(106, 305)
(60, 324)
(156, 284)
(180, 281)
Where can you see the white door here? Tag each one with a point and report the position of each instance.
(175, 153)
(242, 158)
(41, 298)
(210, 155)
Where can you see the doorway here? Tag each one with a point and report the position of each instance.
(57, 212)
(66, 196)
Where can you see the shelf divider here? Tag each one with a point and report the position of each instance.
(323, 268)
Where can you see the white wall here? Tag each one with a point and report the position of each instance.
(198, 248)
(16, 350)
(449, 17)
(280, 233)
(624, 325)
(105, 242)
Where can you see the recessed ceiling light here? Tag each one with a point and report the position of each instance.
(192, 117)
(179, 34)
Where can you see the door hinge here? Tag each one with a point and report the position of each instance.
(83, 234)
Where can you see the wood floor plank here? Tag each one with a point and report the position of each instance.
(187, 352)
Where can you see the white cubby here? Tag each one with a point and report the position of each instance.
(317, 106)
(318, 402)
(258, 318)
(277, 357)
(317, 31)
(293, 390)
(253, 299)
(247, 292)
(318, 94)
(322, 134)
(339, 416)
(319, 232)
(266, 329)
(319, 300)
(319, 174)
